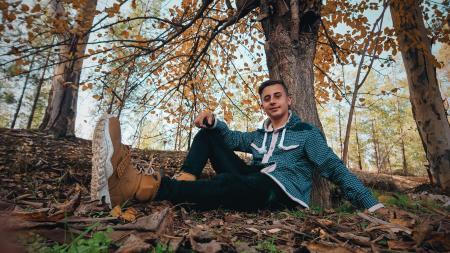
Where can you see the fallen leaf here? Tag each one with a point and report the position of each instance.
(402, 222)
(400, 245)
(421, 232)
(318, 247)
(325, 222)
(116, 212)
(147, 223)
(254, 230)
(361, 240)
(274, 230)
(34, 215)
(129, 215)
(439, 241)
(203, 240)
(134, 244)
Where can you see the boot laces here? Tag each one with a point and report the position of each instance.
(146, 170)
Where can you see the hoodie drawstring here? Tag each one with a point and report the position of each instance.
(281, 144)
(262, 149)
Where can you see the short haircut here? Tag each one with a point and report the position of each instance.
(272, 82)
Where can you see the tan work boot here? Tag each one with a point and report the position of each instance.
(184, 176)
(114, 177)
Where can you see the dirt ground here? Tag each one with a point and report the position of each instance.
(45, 206)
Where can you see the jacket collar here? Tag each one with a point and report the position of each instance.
(293, 119)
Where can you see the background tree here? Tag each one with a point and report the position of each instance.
(62, 108)
(425, 96)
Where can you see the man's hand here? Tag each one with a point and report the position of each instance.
(202, 116)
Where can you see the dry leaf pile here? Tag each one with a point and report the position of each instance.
(44, 198)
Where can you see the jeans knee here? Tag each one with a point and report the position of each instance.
(205, 134)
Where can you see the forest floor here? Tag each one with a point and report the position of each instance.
(45, 207)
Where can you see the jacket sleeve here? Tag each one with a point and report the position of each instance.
(332, 167)
(235, 140)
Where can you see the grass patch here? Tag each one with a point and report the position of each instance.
(345, 208)
(268, 246)
(98, 243)
(162, 248)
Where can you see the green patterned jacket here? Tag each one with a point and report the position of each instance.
(290, 154)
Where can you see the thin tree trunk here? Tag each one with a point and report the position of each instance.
(359, 82)
(191, 124)
(427, 106)
(111, 103)
(389, 162)
(48, 110)
(38, 90)
(291, 30)
(358, 147)
(124, 95)
(65, 83)
(375, 146)
(340, 130)
(19, 103)
(402, 142)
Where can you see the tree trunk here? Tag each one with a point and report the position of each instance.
(375, 146)
(19, 103)
(358, 147)
(402, 142)
(427, 106)
(38, 90)
(349, 125)
(63, 106)
(291, 30)
(340, 129)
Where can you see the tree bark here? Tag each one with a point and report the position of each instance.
(291, 29)
(427, 105)
(63, 106)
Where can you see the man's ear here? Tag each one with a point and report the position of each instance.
(289, 100)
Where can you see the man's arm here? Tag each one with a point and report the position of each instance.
(235, 140)
(332, 167)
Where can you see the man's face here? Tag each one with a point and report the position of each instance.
(275, 101)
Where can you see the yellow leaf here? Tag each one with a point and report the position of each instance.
(36, 8)
(116, 212)
(125, 34)
(25, 8)
(3, 5)
(129, 215)
(97, 97)
(11, 17)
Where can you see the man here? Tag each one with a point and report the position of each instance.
(285, 152)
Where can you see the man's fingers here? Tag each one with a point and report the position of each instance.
(210, 119)
(202, 118)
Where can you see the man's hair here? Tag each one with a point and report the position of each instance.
(272, 82)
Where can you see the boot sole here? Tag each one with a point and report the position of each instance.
(102, 169)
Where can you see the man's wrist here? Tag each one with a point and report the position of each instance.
(214, 122)
(375, 207)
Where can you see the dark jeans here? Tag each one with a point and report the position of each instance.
(236, 185)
